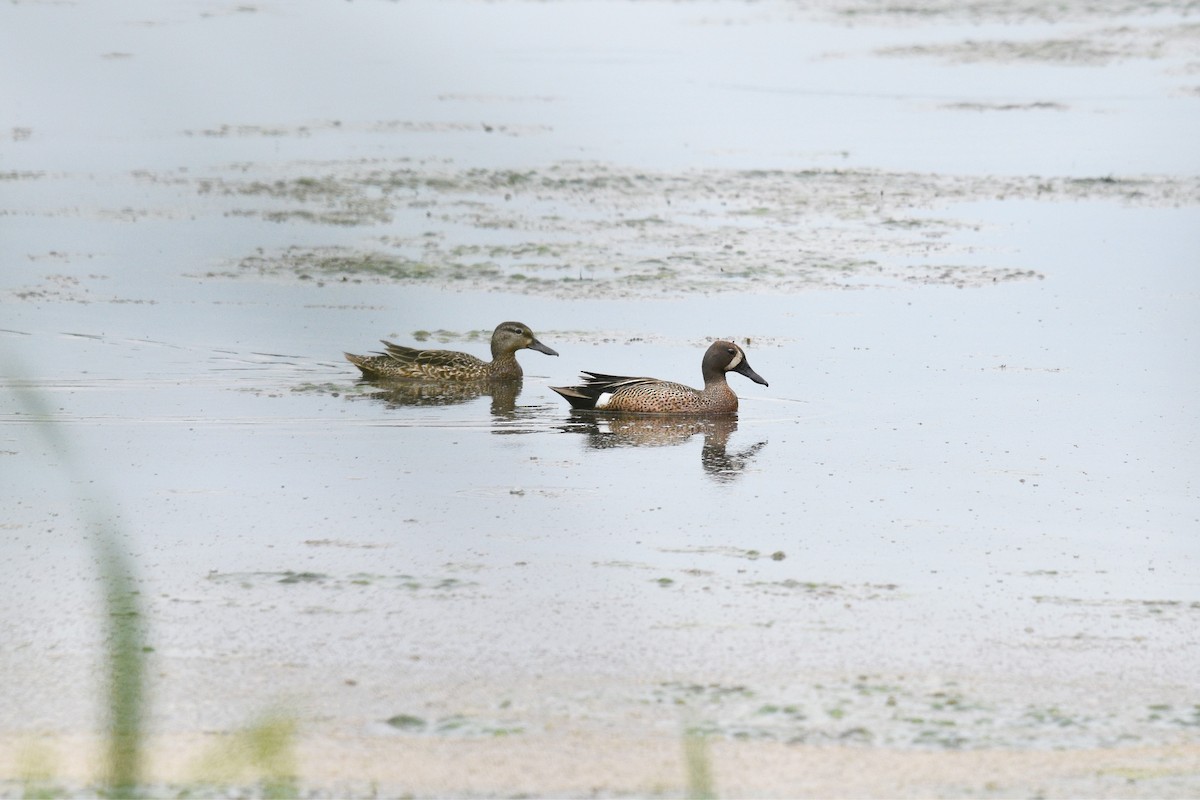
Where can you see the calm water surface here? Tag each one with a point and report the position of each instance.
(993, 484)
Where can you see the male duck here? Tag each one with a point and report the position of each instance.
(449, 365)
(650, 395)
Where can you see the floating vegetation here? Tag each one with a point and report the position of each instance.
(682, 693)
(1130, 608)
(1096, 47)
(731, 552)
(588, 230)
(407, 722)
(892, 712)
(411, 583)
(979, 11)
(864, 591)
(459, 725)
(1041, 105)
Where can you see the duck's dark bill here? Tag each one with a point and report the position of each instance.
(744, 369)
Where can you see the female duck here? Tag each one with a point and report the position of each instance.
(448, 365)
(650, 395)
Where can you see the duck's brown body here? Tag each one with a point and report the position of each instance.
(399, 362)
(602, 392)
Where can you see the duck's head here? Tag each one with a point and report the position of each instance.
(509, 337)
(723, 356)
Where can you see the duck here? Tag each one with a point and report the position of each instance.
(400, 362)
(602, 392)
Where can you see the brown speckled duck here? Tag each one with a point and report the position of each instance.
(399, 362)
(652, 396)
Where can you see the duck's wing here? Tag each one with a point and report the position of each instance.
(434, 359)
(598, 390)
(600, 382)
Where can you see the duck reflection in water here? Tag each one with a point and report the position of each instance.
(404, 393)
(718, 461)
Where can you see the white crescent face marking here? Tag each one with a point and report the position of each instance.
(737, 359)
(603, 400)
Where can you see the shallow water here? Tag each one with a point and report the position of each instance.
(962, 515)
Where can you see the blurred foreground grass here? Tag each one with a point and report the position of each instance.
(698, 766)
(125, 637)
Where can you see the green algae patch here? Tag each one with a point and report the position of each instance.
(407, 722)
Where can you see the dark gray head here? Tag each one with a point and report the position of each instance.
(509, 337)
(723, 357)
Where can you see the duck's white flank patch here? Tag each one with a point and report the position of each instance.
(737, 359)
(603, 400)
